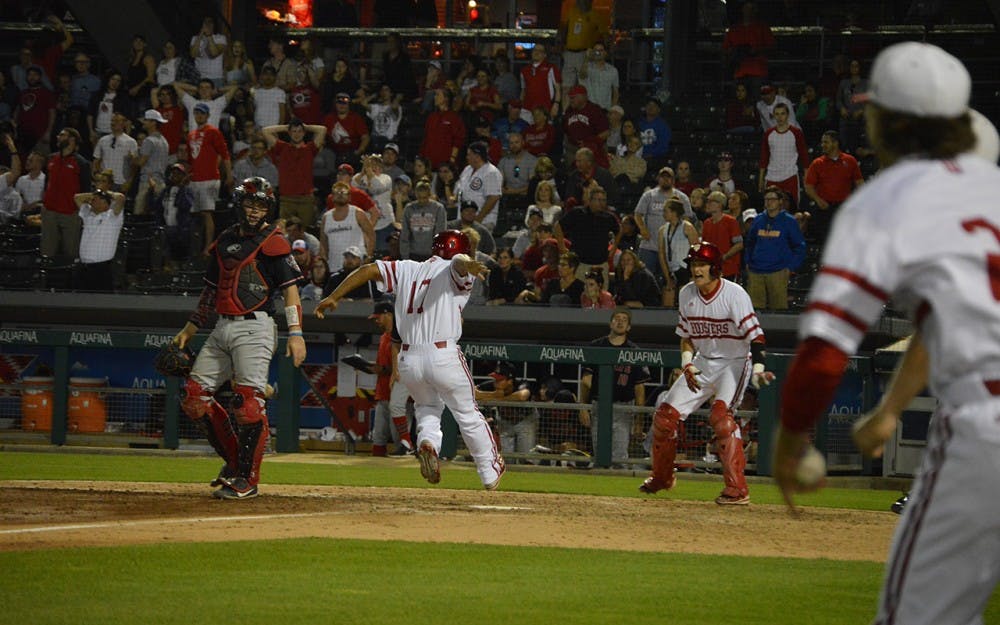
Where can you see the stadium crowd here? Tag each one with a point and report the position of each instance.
(573, 193)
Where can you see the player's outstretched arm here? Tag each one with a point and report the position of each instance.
(464, 265)
(873, 429)
(358, 277)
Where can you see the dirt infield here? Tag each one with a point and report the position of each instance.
(45, 515)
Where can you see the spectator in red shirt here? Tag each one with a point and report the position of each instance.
(481, 132)
(67, 174)
(585, 125)
(723, 230)
(745, 47)
(830, 179)
(207, 149)
(540, 84)
(35, 112)
(295, 172)
(444, 132)
(304, 98)
(540, 137)
(164, 100)
(741, 112)
(347, 130)
(484, 99)
(683, 180)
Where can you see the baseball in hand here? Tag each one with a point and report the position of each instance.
(812, 468)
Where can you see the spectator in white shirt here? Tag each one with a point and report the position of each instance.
(270, 101)
(116, 151)
(207, 48)
(152, 160)
(102, 215)
(10, 200)
(206, 93)
(31, 185)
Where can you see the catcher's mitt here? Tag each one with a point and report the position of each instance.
(173, 359)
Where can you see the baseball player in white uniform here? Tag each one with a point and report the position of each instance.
(722, 349)
(430, 296)
(932, 244)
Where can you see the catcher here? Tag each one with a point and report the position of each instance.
(249, 262)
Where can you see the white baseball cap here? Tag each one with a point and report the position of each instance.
(987, 139)
(919, 79)
(154, 115)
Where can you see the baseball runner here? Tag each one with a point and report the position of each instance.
(249, 262)
(430, 296)
(931, 240)
(722, 347)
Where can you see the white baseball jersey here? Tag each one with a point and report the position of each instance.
(721, 325)
(430, 296)
(931, 243)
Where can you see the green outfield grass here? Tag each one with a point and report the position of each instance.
(309, 581)
(402, 473)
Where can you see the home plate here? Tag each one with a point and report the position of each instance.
(499, 508)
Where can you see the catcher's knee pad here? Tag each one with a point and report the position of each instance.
(665, 421)
(196, 400)
(248, 405)
(721, 420)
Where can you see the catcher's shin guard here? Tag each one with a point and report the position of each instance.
(212, 419)
(251, 431)
(665, 421)
(730, 449)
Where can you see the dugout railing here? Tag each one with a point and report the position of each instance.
(151, 417)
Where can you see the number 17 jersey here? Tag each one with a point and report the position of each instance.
(430, 296)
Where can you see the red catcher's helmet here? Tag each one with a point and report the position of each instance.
(448, 243)
(706, 253)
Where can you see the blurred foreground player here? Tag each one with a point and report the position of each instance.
(930, 237)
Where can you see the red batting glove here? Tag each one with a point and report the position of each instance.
(690, 373)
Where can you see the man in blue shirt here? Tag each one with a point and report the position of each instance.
(774, 248)
(655, 135)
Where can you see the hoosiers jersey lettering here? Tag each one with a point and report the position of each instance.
(430, 297)
(721, 325)
(936, 266)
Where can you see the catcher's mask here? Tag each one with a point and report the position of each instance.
(256, 193)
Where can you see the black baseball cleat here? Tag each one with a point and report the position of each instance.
(225, 474)
(899, 504)
(236, 488)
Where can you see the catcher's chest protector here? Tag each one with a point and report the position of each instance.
(242, 287)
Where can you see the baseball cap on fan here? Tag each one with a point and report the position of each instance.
(381, 308)
(918, 79)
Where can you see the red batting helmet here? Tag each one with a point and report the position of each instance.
(448, 243)
(706, 253)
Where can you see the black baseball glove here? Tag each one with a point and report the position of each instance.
(174, 360)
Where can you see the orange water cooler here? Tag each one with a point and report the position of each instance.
(36, 404)
(87, 412)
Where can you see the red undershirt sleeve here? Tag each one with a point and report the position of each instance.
(811, 383)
